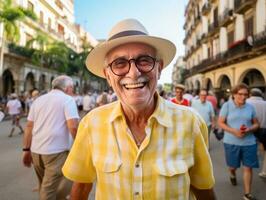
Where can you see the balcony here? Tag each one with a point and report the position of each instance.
(226, 18)
(241, 6)
(204, 38)
(213, 28)
(259, 41)
(237, 51)
(206, 8)
(197, 20)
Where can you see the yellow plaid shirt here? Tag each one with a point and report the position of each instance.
(172, 156)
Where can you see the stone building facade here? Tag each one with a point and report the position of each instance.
(225, 44)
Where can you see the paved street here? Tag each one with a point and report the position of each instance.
(17, 182)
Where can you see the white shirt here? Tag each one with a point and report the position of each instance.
(14, 106)
(260, 107)
(88, 102)
(49, 114)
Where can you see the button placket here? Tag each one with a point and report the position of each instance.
(137, 185)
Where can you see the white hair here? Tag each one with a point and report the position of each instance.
(62, 82)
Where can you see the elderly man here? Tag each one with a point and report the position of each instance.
(141, 146)
(205, 109)
(179, 91)
(52, 120)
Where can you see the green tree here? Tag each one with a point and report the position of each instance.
(42, 40)
(9, 16)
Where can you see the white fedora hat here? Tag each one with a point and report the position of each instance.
(127, 31)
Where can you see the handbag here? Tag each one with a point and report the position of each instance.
(219, 133)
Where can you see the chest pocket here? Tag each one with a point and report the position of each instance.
(173, 174)
(108, 164)
(171, 167)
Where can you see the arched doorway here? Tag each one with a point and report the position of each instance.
(29, 84)
(225, 88)
(197, 87)
(42, 81)
(209, 85)
(8, 83)
(254, 78)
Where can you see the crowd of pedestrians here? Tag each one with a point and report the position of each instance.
(117, 143)
(242, 118)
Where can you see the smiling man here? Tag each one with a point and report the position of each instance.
(141, 146)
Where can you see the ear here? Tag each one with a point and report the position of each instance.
(106, 74)
(160, 68)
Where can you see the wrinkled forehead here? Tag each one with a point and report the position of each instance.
(131, 49)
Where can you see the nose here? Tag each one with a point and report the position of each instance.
(133, 70)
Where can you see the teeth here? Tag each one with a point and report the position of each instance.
(134, 85)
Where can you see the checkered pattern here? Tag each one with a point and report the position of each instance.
(172, 156)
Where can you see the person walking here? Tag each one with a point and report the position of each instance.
(205, 109)
(259, 104)
(88, 102)
(141, 146)
(238, 119)
(52, 118)
(179, 91)
(14, 109)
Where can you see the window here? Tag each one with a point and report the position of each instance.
(59, 4)
(28, 38)
(215, 17)
(41, 17)
(230, 38)
(61, 29)
(249, 27)
(30, 6)
(49, 23)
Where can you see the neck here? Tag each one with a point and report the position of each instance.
(139, 116)
(238, 104)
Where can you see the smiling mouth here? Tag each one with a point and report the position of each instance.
(135, 85)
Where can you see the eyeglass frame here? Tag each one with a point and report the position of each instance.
(129, 64)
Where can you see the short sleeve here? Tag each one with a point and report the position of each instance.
(212, 110)
(31, 113)
(78, 166)
(201, 173)
(70, 109)
(224, 110)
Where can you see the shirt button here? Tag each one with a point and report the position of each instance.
(136, 193)
(137, 165)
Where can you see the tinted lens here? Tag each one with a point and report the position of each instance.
(120, 66)
(145, 63)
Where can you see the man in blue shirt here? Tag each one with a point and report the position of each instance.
(205, 109)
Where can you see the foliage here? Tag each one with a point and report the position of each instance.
(10, 15)
(167, 87)
(22, 51)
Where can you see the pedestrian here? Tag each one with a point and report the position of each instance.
(140, 146)
(51, 120)
(205, 109)
(212, 98)
(102, 99)
(238, 119)
(14, 109)
(179, 91)
(88, 102)
(259, 104)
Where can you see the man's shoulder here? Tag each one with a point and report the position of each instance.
(173, 108)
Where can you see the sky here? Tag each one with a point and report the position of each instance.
(162, 18)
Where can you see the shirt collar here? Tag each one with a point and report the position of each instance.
(161, 113)
(235, 106)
